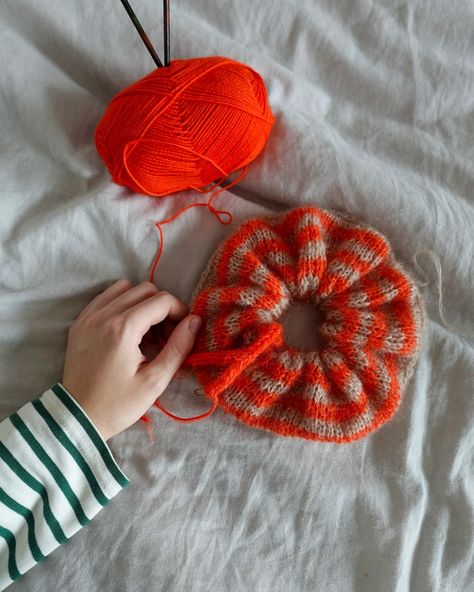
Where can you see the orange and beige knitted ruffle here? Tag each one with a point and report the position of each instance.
(371, 313)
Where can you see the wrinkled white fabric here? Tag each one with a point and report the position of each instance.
(374, 115)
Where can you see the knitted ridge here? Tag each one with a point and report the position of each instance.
(372, 317)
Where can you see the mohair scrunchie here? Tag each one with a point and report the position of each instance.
(372, 319)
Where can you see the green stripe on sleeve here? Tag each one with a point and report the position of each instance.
(73, 451)
(30, 521)
(91, 431)
(11, 542)
(51, 466)
(35, 485)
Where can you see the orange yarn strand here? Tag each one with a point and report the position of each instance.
(187, 419)
(219, 214)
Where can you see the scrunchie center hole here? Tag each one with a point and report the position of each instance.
(301, 322)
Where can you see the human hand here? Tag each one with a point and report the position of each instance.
(105, 370)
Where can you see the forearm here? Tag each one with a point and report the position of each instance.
(56, 473)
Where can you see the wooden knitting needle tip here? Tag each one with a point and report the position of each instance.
(166, 30)
(141, 32)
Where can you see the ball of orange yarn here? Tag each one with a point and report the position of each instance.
(185, 126)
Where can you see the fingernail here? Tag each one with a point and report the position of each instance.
(194, 324)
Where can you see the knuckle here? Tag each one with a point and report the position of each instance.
(155, 383)
(116, 328)
(124, 283)
(149, 287)
(92, 321)
(77, 326)
(178, 348)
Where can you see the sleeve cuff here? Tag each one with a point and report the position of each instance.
(77, 424)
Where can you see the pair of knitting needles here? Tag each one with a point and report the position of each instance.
(144, 36)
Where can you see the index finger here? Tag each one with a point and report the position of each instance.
(153, 310)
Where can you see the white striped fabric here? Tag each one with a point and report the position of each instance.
(56, 473)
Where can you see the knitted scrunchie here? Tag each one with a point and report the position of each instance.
(372, 319)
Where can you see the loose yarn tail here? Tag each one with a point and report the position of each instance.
(186, 419)
(439, 277)
(224, 217)
(146, 420)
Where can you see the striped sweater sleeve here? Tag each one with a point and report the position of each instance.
(56, 473)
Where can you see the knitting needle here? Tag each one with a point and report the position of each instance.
(142, 33)
(166, 30)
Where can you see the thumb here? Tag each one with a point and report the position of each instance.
(180, 343)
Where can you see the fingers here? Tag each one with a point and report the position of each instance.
(116, 289)
(135, 308)
(161, 370)
(129, 298)
(154, 310)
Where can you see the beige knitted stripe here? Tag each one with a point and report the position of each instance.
(316, 392)
(322, 428)
(366, 322)
(246, 300)
(353, 386)
(308, 283)
(232, 323)
(292, 361)
(406, 364)
(395, 339)
(313, 218)
(236, 261)
(313, 250)
(296, 361)
(272, 314)
(266, 383)
(361, 251)
(259, 275)
(248, 296)
(341, 269)
(279, 259)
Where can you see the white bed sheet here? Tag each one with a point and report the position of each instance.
(374, 106)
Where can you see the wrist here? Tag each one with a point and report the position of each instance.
(83, 402)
